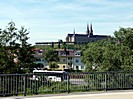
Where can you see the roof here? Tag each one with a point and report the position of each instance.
(70, 35)
(63, 49)
(45, 71)
(81, 35)
(85, 35)
(94, 36)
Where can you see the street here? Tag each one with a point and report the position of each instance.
(89, 95)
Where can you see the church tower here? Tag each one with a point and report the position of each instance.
(74, 31)
(88, 31)
(91, 30)
(73, 37)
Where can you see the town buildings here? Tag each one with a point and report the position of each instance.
(71, 58)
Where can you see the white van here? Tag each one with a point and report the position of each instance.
(54, 78)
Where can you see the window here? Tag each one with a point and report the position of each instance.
(77, 54)
(69, 58)
(77, 60)
(64, 66)
(77, 67)
(64, 60)
(82, 67)
(40, 52)
(38, 60)
(43, 60)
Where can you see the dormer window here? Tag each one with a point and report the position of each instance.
(77, 54)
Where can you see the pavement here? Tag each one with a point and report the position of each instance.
(126, 94)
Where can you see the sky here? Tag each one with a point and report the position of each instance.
(51, 20)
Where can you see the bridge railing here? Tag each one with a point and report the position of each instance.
(43, 83)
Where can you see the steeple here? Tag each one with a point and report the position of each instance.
(74, 31)
(88, 31)
(91, 30)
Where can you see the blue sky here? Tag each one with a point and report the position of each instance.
(50, 20)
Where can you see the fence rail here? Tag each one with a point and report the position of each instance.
(16, 84)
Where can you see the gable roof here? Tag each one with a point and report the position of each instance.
(94, 36)
(69, 35)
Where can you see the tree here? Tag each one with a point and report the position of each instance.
(111, 54)
(8, 38)
(14, 46)
(125, 36)
(53, 65)
(25, 53)
(50, 55)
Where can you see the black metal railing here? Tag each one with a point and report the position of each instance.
(43, 83)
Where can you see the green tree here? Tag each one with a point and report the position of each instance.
(125, 36)
(50, 55)
(25, 53)
(53, 65)
(112, 54)
(8, 38)
(13, 46)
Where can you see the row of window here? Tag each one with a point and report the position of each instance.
(40, 60)
(64, 53)
(76, 60)
(77, 67)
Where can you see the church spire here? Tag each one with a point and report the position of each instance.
(88, 31)
(91, 30)
(74, 31)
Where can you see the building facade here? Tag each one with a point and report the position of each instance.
(72, 59)
(84, 38)
(39, 57)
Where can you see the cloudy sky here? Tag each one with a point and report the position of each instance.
(50, 20)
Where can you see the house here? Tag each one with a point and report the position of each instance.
(84, 38)
(39, 57)
(70, 58)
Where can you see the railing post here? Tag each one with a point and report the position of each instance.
(25, 87)
(105, 81)
(68, 82)
(36, 87)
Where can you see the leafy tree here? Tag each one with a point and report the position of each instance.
(53, 65)
(112, 54)
(13, 46)
(51, 55)
(7, 37)
(125, 36)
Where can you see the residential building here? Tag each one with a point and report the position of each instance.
(69, 59)
(39, 57)
(72, 59)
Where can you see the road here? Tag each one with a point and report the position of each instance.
(95, 95)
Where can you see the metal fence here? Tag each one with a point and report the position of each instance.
(42, 83)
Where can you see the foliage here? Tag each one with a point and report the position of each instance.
(125, 36)
(53, 65)
(16, 52)
(50, 55)
(111, 54)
